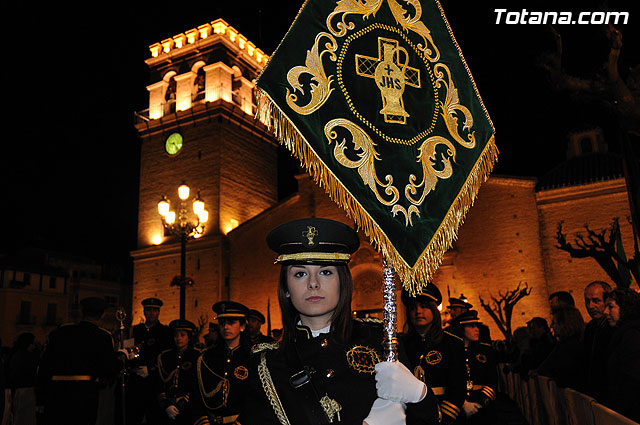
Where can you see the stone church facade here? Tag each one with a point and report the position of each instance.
(202, 88)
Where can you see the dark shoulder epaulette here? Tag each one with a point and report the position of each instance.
(265, 346)
(162, 352)
(453, 335)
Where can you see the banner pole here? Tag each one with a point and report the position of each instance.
(390, 320)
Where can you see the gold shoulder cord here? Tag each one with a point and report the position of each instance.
(223, 384)
(163, 373)
(270, 390)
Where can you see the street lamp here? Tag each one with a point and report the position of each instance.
(185, 228)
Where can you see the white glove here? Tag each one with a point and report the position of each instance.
(471, 408)
(386, 412)
(172, 411)
(142, 371)
(396, 383)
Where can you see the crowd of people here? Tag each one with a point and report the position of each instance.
(600, 358)
(325, 366)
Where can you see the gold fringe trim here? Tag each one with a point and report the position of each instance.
(413, 278)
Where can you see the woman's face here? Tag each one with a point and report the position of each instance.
(612, 311)
(314, 291)
(181, 339)
(421, 315)
(472, 333)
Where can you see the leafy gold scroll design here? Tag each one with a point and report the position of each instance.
(364, 149)
(320, 84)
(452, 104)
(351, 7)
(414, 24)
(410, 21)
(427, 157)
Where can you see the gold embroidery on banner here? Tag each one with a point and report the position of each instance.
(481, 358)
(241, 373)
(416, 25)
(364, 64)
(320, 83)
(391, 74)
(367, 154)
(363, 359)
(451, 105)
(351, 7)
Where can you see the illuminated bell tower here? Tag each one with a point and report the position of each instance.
(199, 129)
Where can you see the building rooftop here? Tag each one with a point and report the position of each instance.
(583, 169)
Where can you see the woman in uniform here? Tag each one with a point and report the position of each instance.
(176, 381)
(222, 370)
(482, 372)
(436, 357)
(327, 368)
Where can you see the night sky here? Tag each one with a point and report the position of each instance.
(69, 161)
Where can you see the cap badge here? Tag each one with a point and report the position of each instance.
(310, 233)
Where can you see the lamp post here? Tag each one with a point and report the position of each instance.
(185, 228)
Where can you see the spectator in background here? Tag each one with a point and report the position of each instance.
(565, 364)
(213, 336)
(560, 298)
(622, 310)
(519, 351)
(542, 341)
(597, 334)
(23, 369)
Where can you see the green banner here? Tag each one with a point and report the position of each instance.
(376, 101)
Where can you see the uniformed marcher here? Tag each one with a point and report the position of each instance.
(459, 306)
(176, 377)
(482, 372)
(222, 370)
(77, 361)
(436, 356)
(255, 320)
(152, 337)
(326, 369)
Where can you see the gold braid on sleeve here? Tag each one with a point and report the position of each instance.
(270, 390)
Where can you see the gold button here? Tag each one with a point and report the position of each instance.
(228, 360)
(324, 343)
(330, 373)
(225, 374)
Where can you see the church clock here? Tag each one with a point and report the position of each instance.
(173, 143)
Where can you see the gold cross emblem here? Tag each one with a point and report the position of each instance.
(391, 72)
(310, 233)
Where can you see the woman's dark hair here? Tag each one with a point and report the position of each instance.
(629, 302)
(434, 330)
(568, 322)
(341, 319)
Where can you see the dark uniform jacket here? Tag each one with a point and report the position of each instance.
(152, 342)
(482, 382)
(342, 385)
(442, 367)
(77, 361)
(177, 382)
(222, 378)
(623, 370)
(596, 337)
